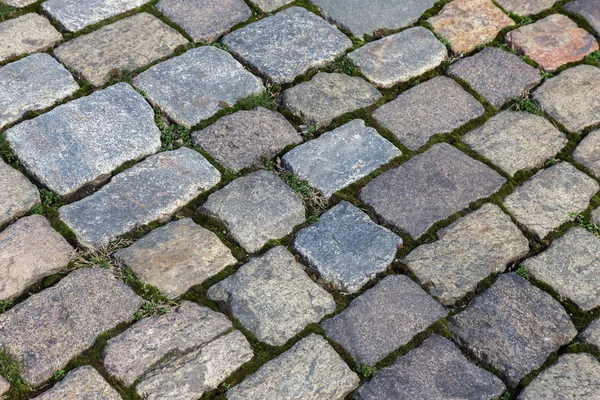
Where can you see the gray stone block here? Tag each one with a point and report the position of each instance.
(17, 194)
(270, 5)
(587, 152)
(83, 382)
(526, 7)
(591, 334)
(28, 33)
(588, 9)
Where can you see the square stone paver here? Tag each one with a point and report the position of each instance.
(591, 334)
(588, 9)
(546, 200)
(125, 45)
(513, 327)
(83, 382)
(191, 87)
(497, 75)
(439, 105)
(17, 194)
(467, 252)
(273, 297)
(346, 248)
(341, 157)
(287, 44)
(587, 152)
(28, 33)
(430, 187)
(270, 5)
(399, 57)
(526, 7)
(256, 208)
(515, 140)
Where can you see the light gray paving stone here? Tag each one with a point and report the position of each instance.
(430, 187)
(346, 248)
(588, 9)
(273, 297)
(596, 216)
(239, 140)
(66, 319)
(587, 152)
(549, 198)
(19, 3)
(468, 251)
(341, 157)
(98, 133)
(151, 190)
(526, 7)
(591, 334)
(309, 370)
(270, 5)
(4, 386)
(191, 87)
(17, 194)
(256, 208)
(383, 318)
(125, 45)
(516, 140)
(81, 383)
(399, 57)
(513, 327)
(176, 257)
(287, 44)
(439, 105)
(28, 33)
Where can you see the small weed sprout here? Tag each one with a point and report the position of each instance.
(151, 308)
(262, 99)
(550, 162)
(522, 271)
(6, 304)
(101, 258)
(527, 105)
(225, 386)
(230, 174)
(586, 223)
(366, 371)
(11, 370)
(343, 65)
(172, 136)
(58, 375)
(546, 74)
(220, 45)
(49, 200)
(593, 56)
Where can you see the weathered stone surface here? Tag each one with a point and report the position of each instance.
(350, 153)
(81, 383)
(383, 318)
(309, 370)
(287, 44)
(256, 208)
(191, 87)
(467, 24)
(513, 327)
(430, 187)
(270, 5)
(436, 370)
(572, 97)
(207, 20)
(17, 194)
(28, 33)
(439, 105)
(552, 41)
(516, 140)
(176, 257)
(18, 3)
(399, 57)
(497, 75)
(239, 140)
(468, 251)
(273, 297)
(546, 200)
(125, 45)
(328, 96)
(98, 133)
(588, 9)
(591, 334)
(587, 152)
(151, 190)
(66, 319)
(346, 248)
(4, 386)
(526, 7)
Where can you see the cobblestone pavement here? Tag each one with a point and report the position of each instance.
(303, 200)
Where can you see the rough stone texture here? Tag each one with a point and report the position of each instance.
(239, 140)
(98, 133)
(66, 319)
(287, 44)
(4, 386)
(430, 187)
(587, 152)
(270, 5)
(256, 208)
(399, 57)
(526, 7)
(192, 87)
(516, 140)
(32, 83)
(350, 153)
(547, 199)
(436, 370)
(309, 370)
(552, 41)
(273, 297)
(81, 383)
(439, 105)
(572, 97)
(207, 20)
(591, 334)
(497, 75)
(17, 194)
(468, 251)
(125, 45)
(328, 96)
(467, 24)
(151, 190)
(346, 248)
(588, 9)
(28, 33)
(383, 318)
(18, 3)
(513, 327)
(176, 257)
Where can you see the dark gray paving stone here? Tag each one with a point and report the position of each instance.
(513, 327)
(526, 7)
(439, 105)
(588, 9)
(28, 33)
(587, 152)
(17, 194)
(430, 187)
(270, 5)
(591, 334)
(83, 383)
(287, 44)
(346, 248)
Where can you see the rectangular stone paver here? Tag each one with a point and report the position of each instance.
(591, 334)
(84, 383)
(587, 152)
(588, 9)
(28, 33)
(526, 7)
(17, 194)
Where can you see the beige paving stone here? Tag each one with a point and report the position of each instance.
(17, 194)
(81, 383)
(28, 33)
